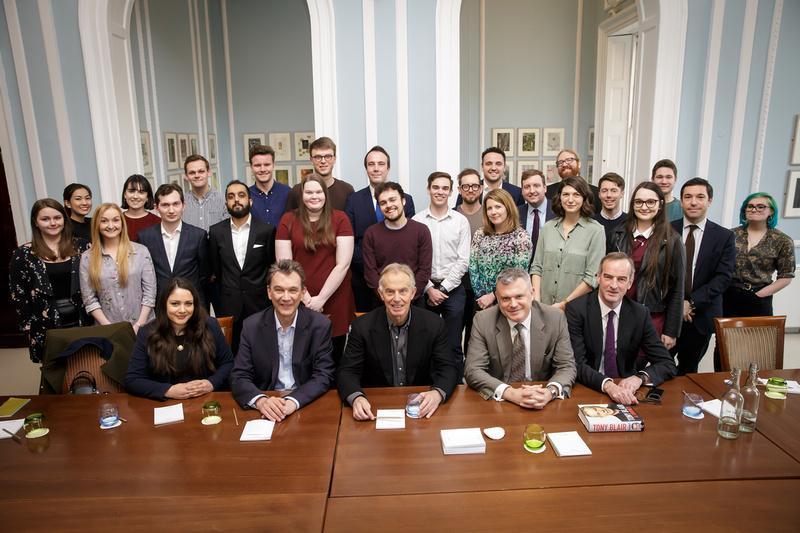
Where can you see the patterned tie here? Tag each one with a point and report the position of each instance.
(378, 213)
(518, 356)
(689, 260)
(535, 230)
(610, 349)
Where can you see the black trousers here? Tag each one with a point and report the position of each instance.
(691, 347)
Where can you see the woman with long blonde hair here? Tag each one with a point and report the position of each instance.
(118, 283)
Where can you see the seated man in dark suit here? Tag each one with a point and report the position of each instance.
(178, 249)
(287, 347)
(608, 330)
(519, 340)
(394, 347)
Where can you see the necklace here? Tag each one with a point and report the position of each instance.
(180, 347)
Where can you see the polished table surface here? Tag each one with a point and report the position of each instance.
(142, 472)
(672, 448)
(778, 420)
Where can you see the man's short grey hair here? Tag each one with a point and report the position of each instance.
(510, 275)
(394, 268)
(616, 256)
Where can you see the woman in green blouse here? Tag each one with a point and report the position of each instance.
(570, 247)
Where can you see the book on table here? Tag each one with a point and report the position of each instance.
(602, 417)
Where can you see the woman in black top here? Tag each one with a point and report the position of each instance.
(43, 276)
(78, 203)
(182, 353)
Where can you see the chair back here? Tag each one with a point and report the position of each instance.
(754, 338)
(226, 325)
(88, 359)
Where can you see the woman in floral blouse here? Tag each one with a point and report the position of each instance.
(43, 276)
(500, 244)
(118, 282)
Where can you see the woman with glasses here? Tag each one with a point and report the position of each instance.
(43, 276)
(500, 244)
(569, 248)
(761, 251)
(658, 255)
(137, 200)
(320, 238)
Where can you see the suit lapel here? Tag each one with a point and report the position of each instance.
(595, 331)
(537, 344)
(251, 238)
(383, 345)
(298, 346)
(227, 243)
(159, 250)
(504, 347)
(182, 244)
(271, 343)
(706, 250)
(415, 347)
(624, 333)
(368, 207)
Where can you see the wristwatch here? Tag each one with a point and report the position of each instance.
(553, 390)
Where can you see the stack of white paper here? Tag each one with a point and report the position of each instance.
(259, 429)
(390, 419)
(11, 425)
(168, 415)
(461, 441)
(568, 444)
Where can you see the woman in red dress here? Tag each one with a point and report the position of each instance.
(320, 238)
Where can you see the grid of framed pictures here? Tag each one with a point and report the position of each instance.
(289, 147)
(520, 144)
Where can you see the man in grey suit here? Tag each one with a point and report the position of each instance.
(516, 341)
(285, 348)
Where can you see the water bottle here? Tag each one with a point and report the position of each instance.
(751, 397)
(730, 413)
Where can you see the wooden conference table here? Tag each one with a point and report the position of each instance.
(322, 469)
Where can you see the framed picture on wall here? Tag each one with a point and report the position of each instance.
(509, 174)
(183, 148)
(523, 165)
(303, 171)
(795, 160)
(250, 140)
(283, 174)
(302, 142)
(528, 142)
(590, 145)
(152, 181)
(194, 144)
(175, 179)
(550, 172)
(248, 175)
(282, 144)
(553, 139)
(214, 181)
(212, 148)
(792, 209)
(503, 138)
(589, 170)
(147, 152)
(171, 148)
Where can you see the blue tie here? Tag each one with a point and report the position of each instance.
(378, 213)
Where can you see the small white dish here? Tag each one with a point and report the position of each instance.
(495, 433)
(530, 450)
(118, 424)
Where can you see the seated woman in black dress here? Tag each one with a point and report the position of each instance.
(182, 353)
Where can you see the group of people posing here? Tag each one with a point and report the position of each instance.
(540, 283)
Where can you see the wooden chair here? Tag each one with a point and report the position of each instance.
(226, 325)
(755, 338)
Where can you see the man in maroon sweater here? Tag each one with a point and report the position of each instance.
(397, 239)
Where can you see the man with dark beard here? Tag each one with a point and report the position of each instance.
(241, 250)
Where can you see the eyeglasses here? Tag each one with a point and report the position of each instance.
(567, 161)
(325, 157)
(470, 187)
(649, 203)
(756, 207)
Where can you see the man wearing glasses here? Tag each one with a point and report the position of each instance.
(470, 188)
(364, 211)
(710, 260)
(607, 330)
(323, 158)
(569, 164)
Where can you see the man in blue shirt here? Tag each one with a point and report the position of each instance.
(269, 197)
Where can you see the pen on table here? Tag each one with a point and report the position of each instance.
(14, 436)
(123, 419)
(236, 418)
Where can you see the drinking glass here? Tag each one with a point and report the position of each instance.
(533, 438)
(211, 413)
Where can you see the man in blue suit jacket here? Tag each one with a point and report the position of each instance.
(286, 347)
(493, 165)
(533, 192)
(178, 249)
(363, 212)
(710, 261)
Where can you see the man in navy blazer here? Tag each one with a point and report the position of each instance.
(393, 346)
(533, 192)
(493, 165)
(178, 249)
(608, 330)
(285, 348)
(709, 270)
(363, 212)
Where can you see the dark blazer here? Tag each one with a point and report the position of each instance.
(256, 366)
(141, 379)
(716, 260)
(554, 188)
(523, 213)
(635, 332)
(510, 188)
(367, 359)
(361, 213)
(243, 291)
(191, 260)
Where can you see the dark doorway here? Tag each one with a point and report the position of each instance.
(10, 336)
